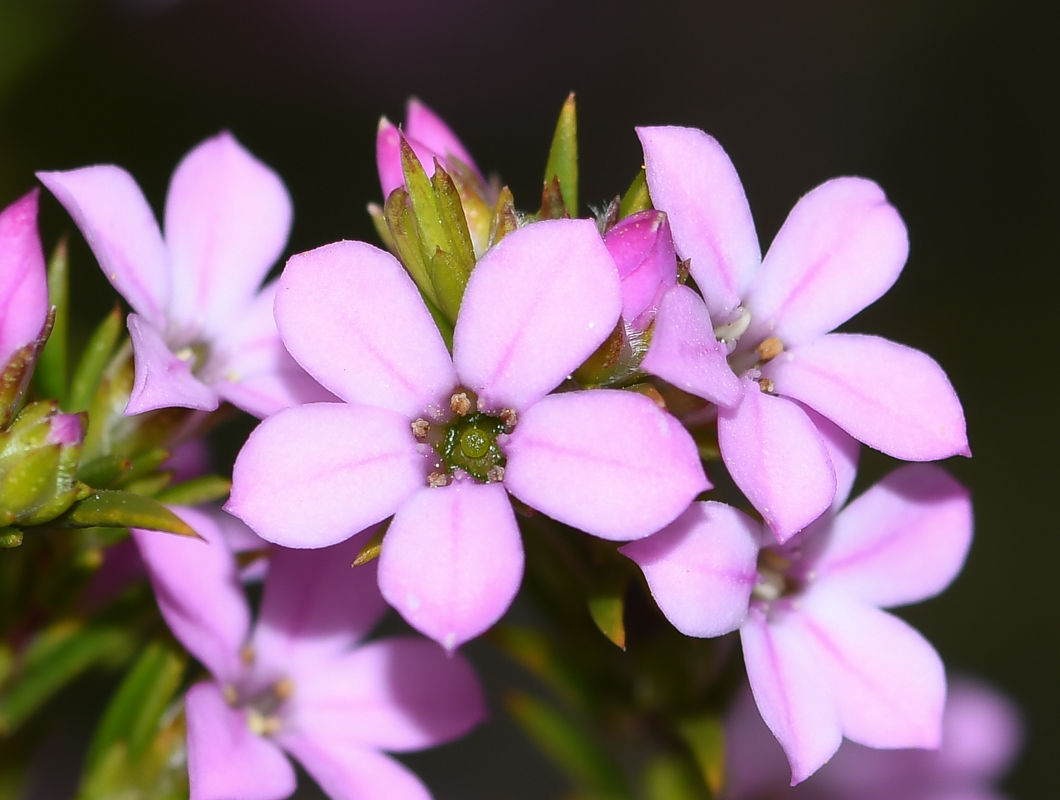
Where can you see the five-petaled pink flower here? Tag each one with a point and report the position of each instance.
(757, 342)
(201, 330)
(23, 281)
(823, 660)
(439, 441)
(300, 681)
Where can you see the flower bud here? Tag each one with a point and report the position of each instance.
(39, 456)
(643, 249)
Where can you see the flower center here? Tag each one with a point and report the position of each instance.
(194, 355)
(774, 579)
(470, 444)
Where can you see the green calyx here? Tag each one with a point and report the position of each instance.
(470, 444)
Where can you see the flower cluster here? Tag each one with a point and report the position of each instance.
(493, 384)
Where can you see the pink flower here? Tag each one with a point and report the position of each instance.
(439, 441)
(299, 681)
(758, 344)
(643, 249)
(981, 734)
(201, 330)
(823, 660)
(23, 279)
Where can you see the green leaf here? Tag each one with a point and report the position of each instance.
(671, 778)
(57, 656)
(563, 156)
(636, 197)
(607, 606)
(50, 374)
(111, 508)
(204, 489)
(135, 710)
(705, 737)
(590, 769)
(537, 654)
(94, 359)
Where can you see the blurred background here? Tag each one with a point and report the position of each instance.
(953, 107)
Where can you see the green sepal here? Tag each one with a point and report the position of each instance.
(553, 205)
(50, 375)
(57, 656)
(378, 216)
(135, 710)
(636, 197)
(94, 360)
(110, 508)
(422, 199)
(16, 374)
(451, 211)
(607, 607)
(505, 218)
(204, 489)
(449, 280)
(474, 195)
(705, 737)
(589, 768)
(372, 548)
(407, 245)
(562, 162)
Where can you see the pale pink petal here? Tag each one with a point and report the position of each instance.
(349, 772)
(316, 604)
(891, 397)
(790, 689)
(198, 591)
(160, 378)
(778, 459)
(755, 766)
(401, 693)
(452, 560)
(692, 179)
(350, 314)
(121, 229)
(388, 157)
(701, 568)
(611, 463)
(902, 541)
(888, 682)
(23, 279)
(643, 249)
(225, 759)
(428, 128)
(227, 220)
(315, 475)
(981, 732)
(841, 248)
(685, 352)
(253, 370)
(844, 451)
(537, 305)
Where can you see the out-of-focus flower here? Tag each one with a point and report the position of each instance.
(823, 660)
(201, 330)
(981, 736)
(299, 681)
(758, 344)
(23, 279)
(439, 441)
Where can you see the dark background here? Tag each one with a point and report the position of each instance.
(951, 106)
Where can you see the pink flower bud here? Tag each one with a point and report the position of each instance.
(65, 430)
(643, 250)
(23, 278)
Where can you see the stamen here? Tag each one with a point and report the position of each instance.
(436, 480)
(735, 329)
(460, 403)
(246, 655)
(766, 384)
(509, 418)
(230, 694)
(770, 349)
(420, 428)
(495, 474)
(283, 688)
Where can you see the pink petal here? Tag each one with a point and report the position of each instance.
(537, 305)
(692, 179)
(23, 279)
(254, 371)
(428, 128)
(161, 379)
(841, 248)
(902, 541)
(778, 459)
(452, 560)
(888, 682)
(643, 249)
(790, 689)
(121, 229)
(348, 772)
(227, 220)
(315, 475)
(353, 318)
(844, 451)
(225, 759)
(685, 352)
(398, 694)
(388, 157)
(701, 568)
(198, 591)
(315, 604)
(891, 397)
(611, 463)
(755, 766)
(981, 732)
